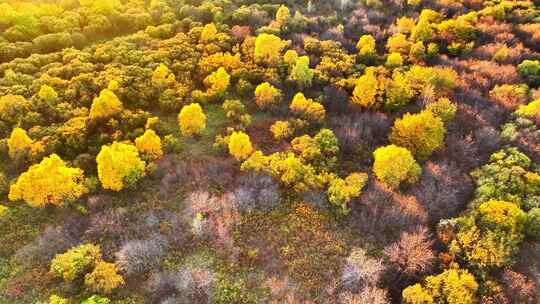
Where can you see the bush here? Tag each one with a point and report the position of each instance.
(412, 255)
(192, 120)
(267, 95)
(281, 130)
(49, 182)
(420, 133)
(105, 106)
(394, 60)
(76, 261)
(140, 256)
(360, 271)
(240, 145)
(149, 144)
(119, 165)
(532, 227)
(307, 108)
(444, 109)
(394, 165)
(19, 144)
(104, 278)
(452, 286)
(95, 299)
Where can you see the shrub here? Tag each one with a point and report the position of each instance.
(268, 48)
(95, 299)
(240, 145)
(420, 133)
(76, 261)
(301, 73)
(162, 77)
(119, 166)
(307, 108)
(366, 46)
(54, 299)
(266, 95)
(104, 278)
(368, 91)
(192, 120)
(208, 32)
(320, 150)
(281, 129)
(394, 60)
(139, 256)
(49, 182)
(510, 95)
(105, 106)
(149, 144)
(19, 144)
(533, 223)
(342, 191)
(444, 109)
(531, 110)
(360, 271)
(412, 254)
(453, 286)
(217, 83)
(394, 165)
(257, 190)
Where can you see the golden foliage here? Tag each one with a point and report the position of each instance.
(49, 182)
(105, 106)
(119, 165)
(191, 120)
(281, 129)
(240, 145)
(47, 93)
(104, 278)
(149, 144)
(307, 108)
(420, 133)
(19, 144)
(394, 165)
(208, 32)
(268, 48)
(76, 261)
(266, 95)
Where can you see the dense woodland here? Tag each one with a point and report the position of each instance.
(264, 151)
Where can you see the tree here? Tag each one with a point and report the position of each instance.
(217, 83)
(412, 255)
(320, 151)
(105, 106)
(119, 166)
(47, 93)
(208, 32)
(240, 145)
(104, 278)
(368, 91)
(281, 129)
(19, 144)
(453, 286)
(444, 109)
(192, 120)
(301, 73)
(268, 48)
(307, 108)
(420, 133)
(76, 261)
(366, 46)
(267, 95)
(49, 182)
(162, 77)
(342, 191)
(394, 165)
(149, 144)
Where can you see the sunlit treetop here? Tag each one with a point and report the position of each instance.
(49, 182)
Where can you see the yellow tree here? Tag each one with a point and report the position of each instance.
(49, 182)
(208, 32)
(149, 144)
(240, 145)
(217, 82)
(104, 278)
(268, 48)
(266, 95)
(368, 91)
(301, 73)
(192, 120)
(307, 108)
(47, 93)
(105, 106)
(162, 77)
(420, 133)
(119, 165)
(394, 165)
(453, 286)
(19, 144)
